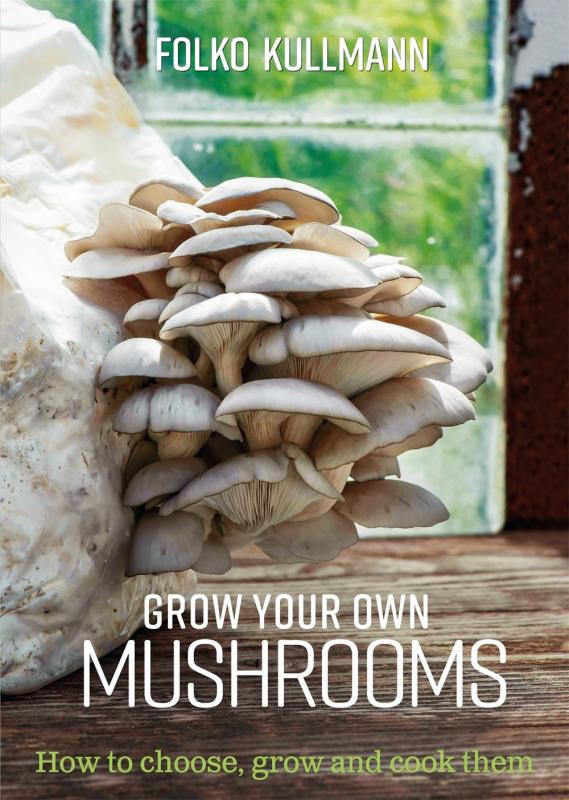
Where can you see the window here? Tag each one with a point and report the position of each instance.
(417, 159)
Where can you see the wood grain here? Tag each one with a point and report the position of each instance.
(510, 587)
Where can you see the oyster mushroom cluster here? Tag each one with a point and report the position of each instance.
(274, 371)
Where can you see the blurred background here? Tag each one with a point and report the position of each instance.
(418, 159)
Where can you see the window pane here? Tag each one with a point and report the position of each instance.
(431, 198)
(88, 15)
(460, 50)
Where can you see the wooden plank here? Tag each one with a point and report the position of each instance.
(510, 587)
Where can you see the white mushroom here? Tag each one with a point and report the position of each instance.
(225, 244)
(215, 558)
(288, 409)
(224, 326)
(328, 239)
(199, 221)
(238, 193)
(176, 277)
(152, 194)
(154, 482)
(143, 358)
(255, 490)
(375, 466)
(170, 544)
(125, 227)
(396, 409)
(142, 318)
(470, 362)
(349, 353)
(394, 280)
(360, 236)
(297, 273)
(319, 539)
(179, 417)
(391, 504)
(420, 299)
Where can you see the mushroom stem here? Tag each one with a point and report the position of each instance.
(228, 372)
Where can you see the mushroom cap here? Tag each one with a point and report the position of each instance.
(205, 288)
(306, 202)
(180, 408)
(225, 308)
(424, 438)
(296, 272)
(125, 227)
(294, 396)
(170, 544)
(375, 466)
(141, 317)
(328, 239)
(201, 221)
(161, 478)
(394, 280)
(360, 236)
(115, 262)
(179, 303)
(145, 358)
(285, 481)
(391, 504)
(396, 409)
(420, 299)
(226, 243)
(152, 194)
(320, 539)
(177, 277)
(470, 362)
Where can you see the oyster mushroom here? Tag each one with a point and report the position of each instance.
(255, 490)
(179, 417)
(142, 319)
(199, 221)
(225, 244)
(151, 484)
(349, 353)
(328, 239)
(286, 409)
(420, 299)
(297, 273)
(391, 504)
(396, 409)
(176, 277)
(165, 544)
(224, 326)
(143, 358)
(152, 194)
(241, 193)
(320, 539)
(360, 236)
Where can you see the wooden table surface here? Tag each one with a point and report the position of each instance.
(509, 587)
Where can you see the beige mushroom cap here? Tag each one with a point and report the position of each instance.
(349, 353)
(297, 273)
(391, 504)
(171, 544)
(470, 363)
(255, 490)
(215, 558)
(360, 236)
(122, 226)
(200, 221)
(420, 299)
(396, 409)
(176, 277)
(287, 409)
(160, 479)
(307, 203)
(152, 194)
(328, 239)
(142, 318)
(226, 244)
(144, 358)
(115, 262)
(320, 539)
(394, 280)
